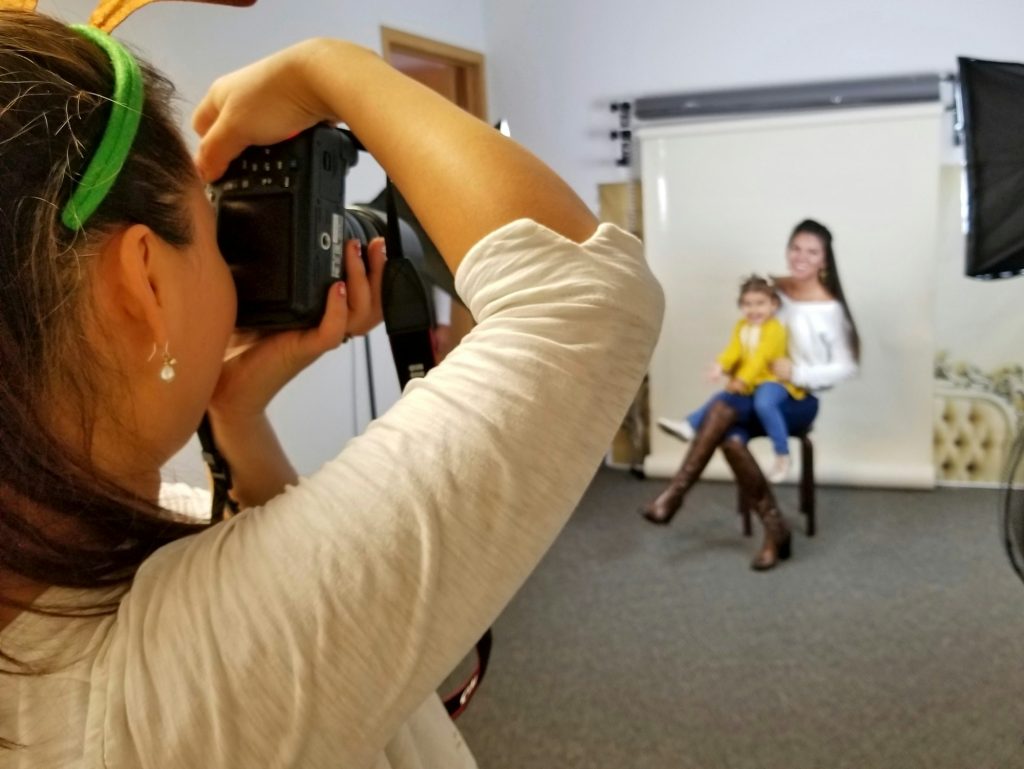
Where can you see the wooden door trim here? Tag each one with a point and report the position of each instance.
(471, 62)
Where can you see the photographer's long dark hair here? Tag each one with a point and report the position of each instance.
(61, 522)
(830, 276)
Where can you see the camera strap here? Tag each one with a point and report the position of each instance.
(409, 321)
(408, 313)
(220, 473)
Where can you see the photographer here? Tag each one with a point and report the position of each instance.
(311, 629)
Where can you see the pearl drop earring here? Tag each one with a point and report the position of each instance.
(167, 373)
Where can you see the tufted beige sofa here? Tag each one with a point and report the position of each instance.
(973, 433)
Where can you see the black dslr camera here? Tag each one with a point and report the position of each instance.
(282, 226)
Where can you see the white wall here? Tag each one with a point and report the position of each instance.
(193, 44)
(555, 66)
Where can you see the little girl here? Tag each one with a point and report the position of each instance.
(758, 340)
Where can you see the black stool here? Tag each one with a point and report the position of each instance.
(806, 487)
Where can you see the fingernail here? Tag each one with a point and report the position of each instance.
(341, 289)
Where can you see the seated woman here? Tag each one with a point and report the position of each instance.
(824, 349)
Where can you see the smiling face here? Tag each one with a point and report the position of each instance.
(758, 306)
(805, 256)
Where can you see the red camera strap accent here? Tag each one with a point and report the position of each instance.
(456, 702)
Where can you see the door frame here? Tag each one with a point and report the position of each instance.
(470, 63)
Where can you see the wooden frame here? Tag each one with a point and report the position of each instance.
(469, 63)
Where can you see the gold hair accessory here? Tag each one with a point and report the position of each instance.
(110, 13)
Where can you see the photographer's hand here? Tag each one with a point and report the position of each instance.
(258, 369)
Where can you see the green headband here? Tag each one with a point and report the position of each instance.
(126, 111)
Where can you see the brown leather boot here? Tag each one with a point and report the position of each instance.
(778, 542)
(719, 418)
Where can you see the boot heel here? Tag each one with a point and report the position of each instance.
(785, 549)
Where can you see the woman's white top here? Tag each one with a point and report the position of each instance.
(313, 631)
(818, 342)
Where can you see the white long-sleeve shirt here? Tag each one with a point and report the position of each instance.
(312, 632)
(818, 342)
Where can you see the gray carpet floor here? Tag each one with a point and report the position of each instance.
(893, 639)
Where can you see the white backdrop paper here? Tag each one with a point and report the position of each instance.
(720, 198)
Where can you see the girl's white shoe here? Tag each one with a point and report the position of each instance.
(680, 429)
(780, 469)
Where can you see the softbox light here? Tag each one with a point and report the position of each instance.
(992, 101)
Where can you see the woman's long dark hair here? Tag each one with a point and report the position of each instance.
(62, 523)
(830, 277)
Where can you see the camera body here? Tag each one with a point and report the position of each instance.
(282, 226)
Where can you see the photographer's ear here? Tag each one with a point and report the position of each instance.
(133, 286)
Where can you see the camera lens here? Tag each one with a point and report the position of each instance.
(373, 223)
(354, 228)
